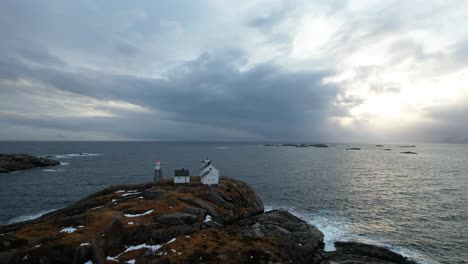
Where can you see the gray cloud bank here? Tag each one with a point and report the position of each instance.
(114, 70)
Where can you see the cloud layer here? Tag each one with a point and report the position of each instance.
(252, 71)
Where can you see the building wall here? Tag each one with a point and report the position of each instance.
(210, 179)
(181, 179)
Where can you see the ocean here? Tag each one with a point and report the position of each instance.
(413, 204)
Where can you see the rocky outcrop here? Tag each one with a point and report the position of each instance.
(408, 152)
(359, 253)
(166, 223)
(16, 162)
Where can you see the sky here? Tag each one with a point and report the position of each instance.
(213, 70)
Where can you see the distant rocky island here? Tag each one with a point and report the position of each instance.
(297, 145)
(17, 162)
(160, 223)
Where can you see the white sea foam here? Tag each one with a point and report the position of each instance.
(74, 155)
(23, 218)
(64, 163)
(329, 227)
(335, 230)
(52, 170)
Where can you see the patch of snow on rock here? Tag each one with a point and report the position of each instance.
(136, 215)
(207, 218)
(68, 230)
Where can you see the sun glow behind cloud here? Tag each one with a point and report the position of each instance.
(330, 70)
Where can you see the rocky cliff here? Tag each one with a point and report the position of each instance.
(164, 223)
(16, 162)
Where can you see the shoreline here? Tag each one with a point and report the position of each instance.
(215, 213)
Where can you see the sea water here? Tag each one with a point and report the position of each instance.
(416, 205)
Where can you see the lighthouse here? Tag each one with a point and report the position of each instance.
(158, 176)
(208, 173)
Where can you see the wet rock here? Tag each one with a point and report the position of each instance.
(177, 219)
(359, 253)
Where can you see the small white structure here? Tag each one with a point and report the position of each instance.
(181, 176)
(157, 171)
(208, 173)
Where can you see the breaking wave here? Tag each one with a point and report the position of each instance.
(23, 218)
(334, 230)
(72, 155)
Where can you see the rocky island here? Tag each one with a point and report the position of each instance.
(16, 162)
(166, 223)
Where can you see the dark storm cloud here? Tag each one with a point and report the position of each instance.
(265, 101)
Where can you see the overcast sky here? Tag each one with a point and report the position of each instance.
(341, 71)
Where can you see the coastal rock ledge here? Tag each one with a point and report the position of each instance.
(164, 223)
(16, 162)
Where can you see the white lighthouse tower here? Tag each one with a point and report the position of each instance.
(208, 173)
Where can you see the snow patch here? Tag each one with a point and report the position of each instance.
(130, 193)
(136, 215)
(207, 218)
(68, 230)
(153, 248)
(112, 258)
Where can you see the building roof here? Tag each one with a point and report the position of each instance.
(181, 172)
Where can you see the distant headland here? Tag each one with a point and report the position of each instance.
(17, 162)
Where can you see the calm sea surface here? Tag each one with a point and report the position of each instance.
(414, 204)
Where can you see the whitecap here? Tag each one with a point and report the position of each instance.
(52, 170)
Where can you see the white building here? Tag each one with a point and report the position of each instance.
(208, 173)
(157, 171)
(181, 176)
